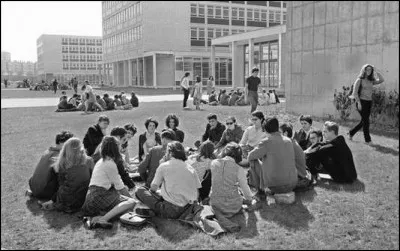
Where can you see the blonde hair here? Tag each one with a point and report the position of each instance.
(72, 153)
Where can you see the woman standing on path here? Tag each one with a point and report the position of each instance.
(210, 85)
(185, 88)
(198, 92)
(366, 80)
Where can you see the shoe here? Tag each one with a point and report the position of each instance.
(145, 213)
(28, 192)
(349, 136)
(261, 195)
(93, 222)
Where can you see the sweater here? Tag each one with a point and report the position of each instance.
(142, 140)
(228, 136)
(148, 167)
(214, 134)
(92, 139)
(179, 134)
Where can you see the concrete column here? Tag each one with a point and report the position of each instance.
(129, 72)
(144, 72)
(108, 73)
(125, 74)
(115, 74)
(281, 21)
(280, 59)
(230, 19)
(213, 61)
(155, 70)
(137, 72)
(235, 82)
(251, 55)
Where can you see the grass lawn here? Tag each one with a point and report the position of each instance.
(364, 215)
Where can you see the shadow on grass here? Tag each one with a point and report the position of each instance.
(384, 149)
(248, 229)
(306, 195)
(294, 217)
(55, 219)
(172, 230)
(355, 187)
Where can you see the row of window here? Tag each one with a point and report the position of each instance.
(124, 37)
(84, 41)
(123, 16)
(222, 12)
(81, 49)
(73, 57)
(198, 33)
(110, 4)
(82, 66)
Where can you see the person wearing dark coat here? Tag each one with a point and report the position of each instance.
(334, 156)
(149, 138)
(172, 122)
(134, 100)
(214, 130)
(303, 135)
(95, 134)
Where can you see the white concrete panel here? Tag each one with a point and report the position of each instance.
(296, 62)
(345, 11)
(307, 84)
(344, 34)
(344, 53)
(308, 14)
(319, 62)
(320, 11)
(319, 37)
(307, 39)
(391, 6)
(297, 17)
(390, 69)
(359, 31)
(331, 61)
(374, 54)
(391, 32)
(359, 9)
(332, 11)
(331, 38)
(297, 40)
(307, 62)
(375, 8)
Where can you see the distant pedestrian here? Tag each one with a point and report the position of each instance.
(210, 85)
(75, 84)
(252, 88)
(5, 82)
(55, 84)
(185, 88)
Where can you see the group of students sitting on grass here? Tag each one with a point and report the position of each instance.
(237, 98)
(89, 102)
(93, 174)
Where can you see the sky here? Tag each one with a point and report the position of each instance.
(22, 23)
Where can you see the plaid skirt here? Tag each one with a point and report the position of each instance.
(98, 200)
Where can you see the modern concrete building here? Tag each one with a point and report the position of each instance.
(327, 43)
(65, 56)
(5, 60)
(16, 69)
(152, 44)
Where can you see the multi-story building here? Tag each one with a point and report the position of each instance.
(5, 60)
(64, 56)
(16, 69)
(152, 44)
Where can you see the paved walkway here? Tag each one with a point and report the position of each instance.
(45, 102)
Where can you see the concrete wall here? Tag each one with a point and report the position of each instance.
(326, 45)
(166, 26)
(149, 71)
(52, 57)
(165, 70)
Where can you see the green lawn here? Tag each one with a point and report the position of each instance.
(364, 215)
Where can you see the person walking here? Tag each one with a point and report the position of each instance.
(185, 88)
(198, 89)
(55, 84)
(366, 80)
(210, 85)
(75, 84)
(252, 88)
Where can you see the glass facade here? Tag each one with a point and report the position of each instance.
(201, 66)
(266, 58)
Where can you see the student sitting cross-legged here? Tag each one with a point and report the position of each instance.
(107, 192)
(43, 184)
(179, 186)
(277, 169)
(74, 169)
(226, 179)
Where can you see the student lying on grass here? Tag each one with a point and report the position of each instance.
(107, 192)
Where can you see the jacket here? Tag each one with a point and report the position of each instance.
(233, 99)
(92, 139)
(142, 140)
(228, 136)
(121, 166)
(278, 160)
(134, 101)
(303, 139)
(215, 134)
(148, 167)
(179, 134)
(338, 154)
(44, 183)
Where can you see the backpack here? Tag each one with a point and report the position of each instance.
(350, 95)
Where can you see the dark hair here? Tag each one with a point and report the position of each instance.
(118, 132)
(169, 117)
(271, 125)
(103, 118)
(233, 150)
(133, 94)
(116, 96)
(270, 91)
(177, 150)
(63, 137)
(109, 148)
(317, 132)
(363, 73)
(86, 82)
(168, 134)
(97, 96)
(198, 79)
(211, 77)
(187, 74)
(149, 120)
(206, 150)
(75, 95)
(232, 118)
(332, 126)
(105, 95)
(223, 91)
(64, 97)
(259, 115)
(63, 92)
(131, 127)
(255, 69)
(212, 116)
(306, 118)
(288, 128)
(83, 87)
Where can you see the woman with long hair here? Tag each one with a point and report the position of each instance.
(74, 169)
(107, 192)
(365, 81)
(149, 138)
(185, 88)
(198, 92)
(172, 122)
